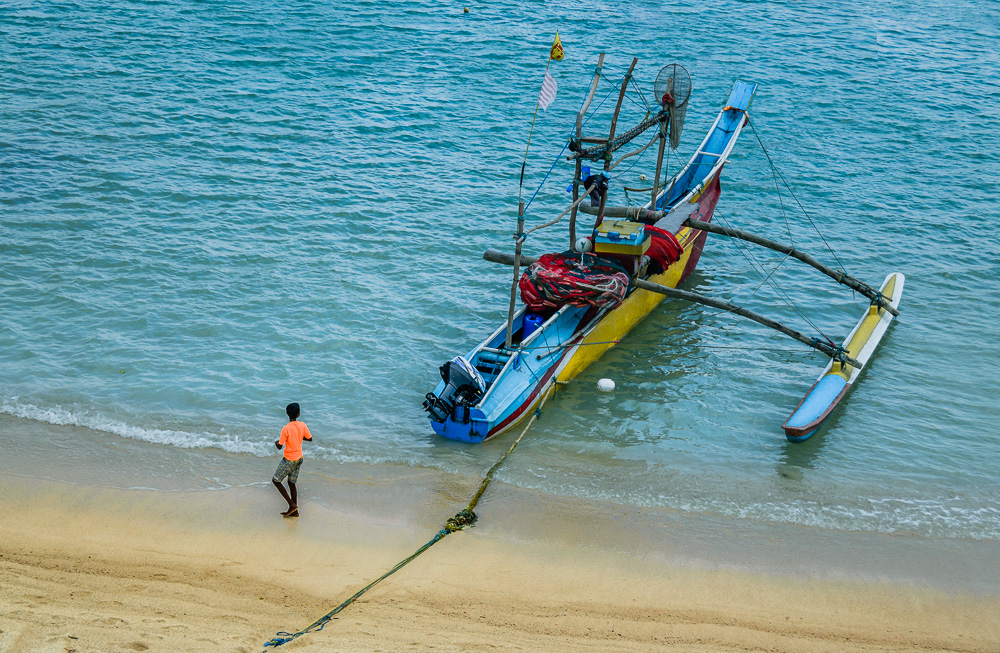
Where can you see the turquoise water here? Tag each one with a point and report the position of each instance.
(208, 212)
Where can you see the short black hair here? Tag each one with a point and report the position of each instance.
(293, 410)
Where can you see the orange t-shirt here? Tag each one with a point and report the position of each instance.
(292, 436)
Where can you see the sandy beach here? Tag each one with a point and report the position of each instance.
(85, 568)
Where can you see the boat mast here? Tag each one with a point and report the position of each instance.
(659, 164)
(579, 136)
(611, 137)
(519, 236)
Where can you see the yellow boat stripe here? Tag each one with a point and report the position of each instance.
(864, 332)
(616, 324)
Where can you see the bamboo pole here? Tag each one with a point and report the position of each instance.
(531, 131)
(659, 164)
(519, 240)
(572, 207)
(519, 235)
(611, 135)
(576, 202)
(579, 137)
(838, 276)
(590, 95)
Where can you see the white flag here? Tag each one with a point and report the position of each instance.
(548, 91)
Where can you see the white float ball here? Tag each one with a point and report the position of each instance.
(584, 245)
(642, 177)
(606, 385)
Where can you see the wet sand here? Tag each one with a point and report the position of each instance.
(84, 568)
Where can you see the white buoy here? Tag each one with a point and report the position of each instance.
(584, 245)
(642, 177)
(606, 385)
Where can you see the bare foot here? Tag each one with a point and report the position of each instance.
(291, 512)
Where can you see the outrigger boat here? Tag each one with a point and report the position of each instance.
(581, 302)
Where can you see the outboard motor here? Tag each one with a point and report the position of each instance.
(463, 386)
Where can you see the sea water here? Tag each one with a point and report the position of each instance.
(211, 210)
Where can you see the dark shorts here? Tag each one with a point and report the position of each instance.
(289, 468)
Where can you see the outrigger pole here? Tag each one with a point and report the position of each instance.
(636, 213)
(830, 349)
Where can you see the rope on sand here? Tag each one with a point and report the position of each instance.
(466, 517)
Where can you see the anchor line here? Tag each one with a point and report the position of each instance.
(463, 519)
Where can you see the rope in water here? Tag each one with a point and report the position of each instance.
(466, 517)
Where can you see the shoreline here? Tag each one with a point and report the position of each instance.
(123, 570)
(424, 497)
(132, 569)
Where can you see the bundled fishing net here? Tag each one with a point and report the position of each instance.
(574, 278)
(663, 250)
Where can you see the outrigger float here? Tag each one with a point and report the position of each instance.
(581, 302)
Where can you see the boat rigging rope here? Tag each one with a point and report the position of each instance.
(460, 521)
(777, 173)
(759, 269)
(559, 156)
(626, 78)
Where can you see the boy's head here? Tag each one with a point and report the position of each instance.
(293, 410)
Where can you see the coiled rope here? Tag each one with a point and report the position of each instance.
(461, 520)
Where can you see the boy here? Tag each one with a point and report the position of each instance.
(291, 438)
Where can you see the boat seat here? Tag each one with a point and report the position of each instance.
(672, 221)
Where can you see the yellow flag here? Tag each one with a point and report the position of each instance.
(557, 49)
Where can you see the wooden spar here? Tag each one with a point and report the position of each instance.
(579, 137)
(590, 96)
(519, 238)
(503, 258)
(659, 164)
(630, 212)
(631, 154)
(840, 277)
(636, 213)
(611, 136)
(832, 351)
(576, 203)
